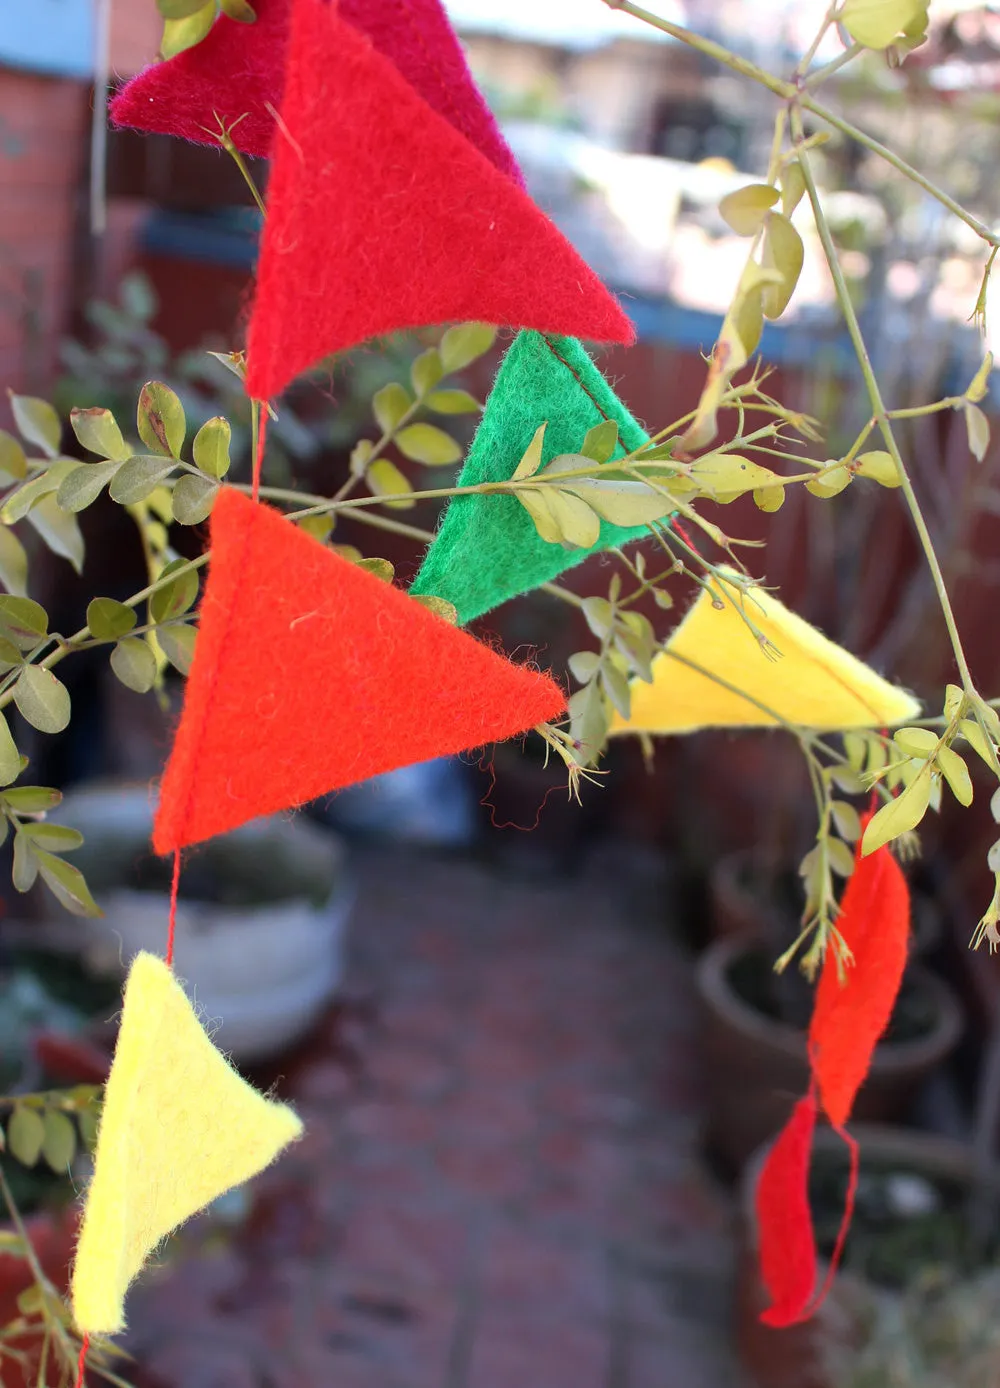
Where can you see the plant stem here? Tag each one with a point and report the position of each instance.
(879, 413)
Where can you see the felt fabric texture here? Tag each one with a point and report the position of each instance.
(849, 1017)
(179, 1128)
(487, 549)
(786, 1242)
(240, 68)
(382, 217)
(814, 683)
(311, 674)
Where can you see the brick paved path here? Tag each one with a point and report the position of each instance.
(502, 1191)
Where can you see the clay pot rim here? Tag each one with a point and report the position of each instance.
(927, 1152)
(890, 1056)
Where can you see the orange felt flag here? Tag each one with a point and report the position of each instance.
(850, 1016)
(382, 217)
(311, 674)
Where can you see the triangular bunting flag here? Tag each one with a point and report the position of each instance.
(381, 217)
(311, 674)
(179, 1127)
(488, 549)
(812, 683)
(238, 71)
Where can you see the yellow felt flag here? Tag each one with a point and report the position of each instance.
(179, 1128)
(813, 682)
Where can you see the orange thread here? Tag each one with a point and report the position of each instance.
(848, 1215)
(175, 886)
(81, 1363)
(259, 460)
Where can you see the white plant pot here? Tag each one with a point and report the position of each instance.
(259, 974)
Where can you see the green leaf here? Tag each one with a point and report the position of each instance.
(601, 441)
(10, 757)
(916, 742)
(29, 494)
(25, 620)
(726, 476)
(463, 344)
(840, 857)
(179, 9)
(769, 499)
(59, 1146)
(24, 870)
(583, 665)
(531, 459)
(177, 643)
(25, 1135)
(211, 447)
(447, 611)
(134, 664)
(53, 838)
(109, 619)
(979, 384)
(181, 34)
(13, 563)
(452, 402)
(81, 487)
(177, 597)
(956, 773)
(98, 432)
(193, 499)
(319, 527)
(390, 404)
(67, 884)
(59, 529)
(624, 503)
(32, 799)
(880, 467)
(615, 686)
(425, 443)
(846, 818)
(240, 10)
(589, 719)
(13, 463)
(138, 477)
(426, 371)
(385, 479)
(875, 23)
(89, 1121)
(784, 252)
(745, 209)
(578, 523)
(536, 503)
(832, 483)
(977, 427)
(793, 186)
(37, 422)
(599, 615)
(900, 815)
(160, 415)
(42, 700)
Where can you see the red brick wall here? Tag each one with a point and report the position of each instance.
(135, 35)
(43, 134)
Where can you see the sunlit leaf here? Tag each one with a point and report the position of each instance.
(25, 1134)
(956, 773)
(461, 345)
(385, 479)
(59, 1145)
(875, 23)
(880, 467)
(97, 431)
(426, 371)
(452, 402)
(37, 422)
(211, 447)
(425, 443)
(900, 815)
(783, 251)
(181, 34)
(745, 209)
(390, 404)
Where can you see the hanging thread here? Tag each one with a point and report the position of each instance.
(81, 1363)
(261, 408)
(175, 887)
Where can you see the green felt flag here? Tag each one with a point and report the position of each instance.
(488, 549)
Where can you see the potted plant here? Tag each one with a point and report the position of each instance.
(754, 1023)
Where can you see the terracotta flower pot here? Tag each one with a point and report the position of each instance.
(799, 1356)
(756, 1067)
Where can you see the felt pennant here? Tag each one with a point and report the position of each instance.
(487, 549)
(381, 217)
(787, 1244)
(813, 683)
(239, 72)
(850, 1014)
(179, 1128)
(311, 674)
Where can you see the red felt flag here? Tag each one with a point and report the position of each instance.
(239, 71)
(381, 217)
(849, 1017)
(784, 1221)
(311, 674)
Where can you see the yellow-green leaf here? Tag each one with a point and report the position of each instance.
(13, 463)
(624, 503)
(179, 9)
(535, 502)
(880, 467)
(915, 742)
(977, 739)
(793, 186)
(29, 494)
(726, 476)
(385, 479)
(193, 499)
(840, 857)
(109, 619)
(10, 757)
(601, 441)
(900, 815)
(177, 642)
(378, 568)
(425, 443)
(769, 498)
(576, 522)
(181, 34)
(37, 422)
(13, 562)
(59, 1144)
(875, 23)
(447, 611)
(390, 404)
(846, 818)
(978, 429)
(980, 382)
(745, 209)
(134, 664)
(141, 475)
(81, 487)
(160, 415)
(453, 402)
(67, 884)
(784, 252)
(59, 529)
(426, 371)
(956, 773)
(25, 1134)
(531, 459)
(211, 447)
(240, 10)
(42, 700)
(832, 483)
(463, 344)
